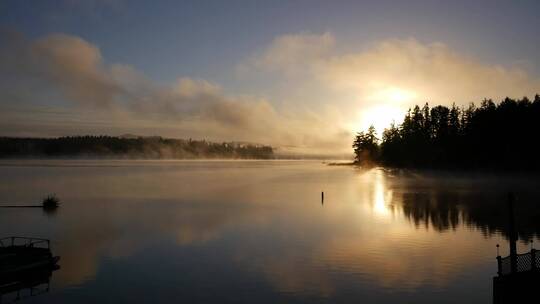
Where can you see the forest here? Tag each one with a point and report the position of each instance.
(132, 147)
(489, 136)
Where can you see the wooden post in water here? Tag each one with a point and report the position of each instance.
(513, 233)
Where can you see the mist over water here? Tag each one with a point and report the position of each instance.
(257, 231)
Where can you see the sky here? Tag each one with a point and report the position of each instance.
(303, 76)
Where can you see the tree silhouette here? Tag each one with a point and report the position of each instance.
(489, 136)
(153, 147)
(366, 147)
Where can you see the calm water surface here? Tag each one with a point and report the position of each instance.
(257, 231)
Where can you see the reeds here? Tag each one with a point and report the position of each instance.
(50, 202)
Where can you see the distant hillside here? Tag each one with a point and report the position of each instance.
(133, 147)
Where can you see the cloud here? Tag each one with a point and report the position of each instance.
(318, 95)
(57, 65)
(434, 72)
(65, 73)
(376, 84)
(294, 52)
(72, 70)
(75, 66)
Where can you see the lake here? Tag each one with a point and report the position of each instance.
(258, 231)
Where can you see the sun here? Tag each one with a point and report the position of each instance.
(381, 117)
(384, 106)
(388, 105)
(396, 95)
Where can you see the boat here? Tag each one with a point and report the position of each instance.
(22, 253)
(25, 263)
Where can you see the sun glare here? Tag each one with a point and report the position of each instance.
(381, 117)
(381, 197)
(392, 95)
(398, 95)
(389, 105)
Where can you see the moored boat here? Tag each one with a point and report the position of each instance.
(20, 254)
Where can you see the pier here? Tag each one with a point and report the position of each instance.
(518, 275)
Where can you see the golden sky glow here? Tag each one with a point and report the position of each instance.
(299, 92)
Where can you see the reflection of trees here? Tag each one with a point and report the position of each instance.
(438, 211)
(443, 210)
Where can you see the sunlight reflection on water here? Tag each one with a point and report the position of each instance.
(382, 196)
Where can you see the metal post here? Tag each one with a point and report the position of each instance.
(499, 265)
(533, 259)
(499, 262)
(512, 232)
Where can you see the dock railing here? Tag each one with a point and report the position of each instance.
(529, 261)
(24, 241)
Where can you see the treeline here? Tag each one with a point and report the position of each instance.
(490, 136)
(133, 147)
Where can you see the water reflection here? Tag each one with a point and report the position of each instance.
(448, 202)
(28, 284)
(254, 231)
(382, 196)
